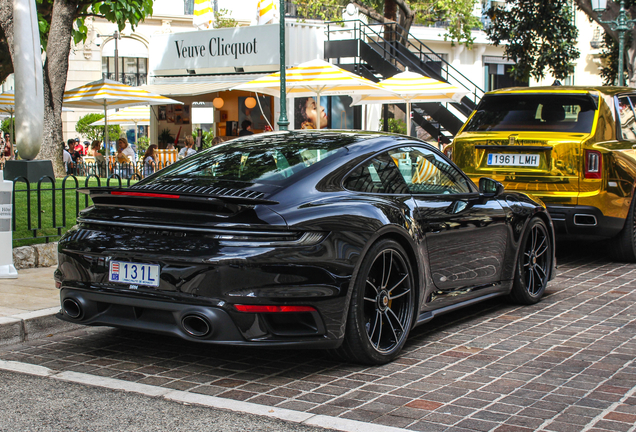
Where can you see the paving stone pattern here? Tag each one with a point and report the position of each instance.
(565, 364)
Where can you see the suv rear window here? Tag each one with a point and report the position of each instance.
(534, 112)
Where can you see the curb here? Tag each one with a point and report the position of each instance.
(298, 417)
(15, 329)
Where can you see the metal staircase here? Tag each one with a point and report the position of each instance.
(379, 51)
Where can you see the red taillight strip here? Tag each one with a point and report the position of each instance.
(273, 309)
(145, 194)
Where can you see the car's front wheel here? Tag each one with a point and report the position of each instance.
(534, 264)
(382, 306)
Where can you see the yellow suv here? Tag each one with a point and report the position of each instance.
(572, 147)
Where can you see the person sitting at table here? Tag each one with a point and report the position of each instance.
(76, 159)
(246, 128)
(100, 160)
(126, 157)
(187, 150)
(150, 160)
(7, 153)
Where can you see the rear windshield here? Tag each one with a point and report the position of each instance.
(534, 112)
(270, 161)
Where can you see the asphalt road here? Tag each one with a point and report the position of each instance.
(30, 403)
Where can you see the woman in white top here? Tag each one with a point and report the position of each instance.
(126, 157)
(187, 150)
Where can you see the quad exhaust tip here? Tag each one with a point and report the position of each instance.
(72, 308)
(196, 325)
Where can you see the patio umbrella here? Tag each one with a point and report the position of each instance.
(106, 94)
(203, 15)
(411, 87)
(7, 105)
(313, 78)
(137, 115)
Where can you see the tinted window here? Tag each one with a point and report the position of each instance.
(269, 161)
(626, 114)
(530, 112)
(379, 175)
(426, 172)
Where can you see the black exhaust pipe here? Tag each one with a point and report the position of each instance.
(72, 308)
(196, 325)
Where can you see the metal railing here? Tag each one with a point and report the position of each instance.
(387, 39)
(44, 211)
(130, 170)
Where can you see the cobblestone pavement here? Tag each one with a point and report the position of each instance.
(565, 364)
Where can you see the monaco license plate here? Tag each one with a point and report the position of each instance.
(134, 273)
(513, 159)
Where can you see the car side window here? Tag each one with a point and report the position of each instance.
(378, 175)
(626, 115)
(426, 172)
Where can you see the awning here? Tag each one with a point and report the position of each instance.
(496, 60)
(191, 89)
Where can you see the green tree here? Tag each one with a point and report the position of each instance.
(7, 125)
(609, 70)
(326, 10)
(223, 19)
(395, 125)
(457, 13)
(62, 22)
(91, 133)
(142, 144)
(537, 35)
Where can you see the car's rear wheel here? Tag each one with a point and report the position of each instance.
(382, 306)
(624, 244)
(533, 264)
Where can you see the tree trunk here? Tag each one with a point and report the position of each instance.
(611, 13)
(6, 39)
(55, 72)
(406, 19)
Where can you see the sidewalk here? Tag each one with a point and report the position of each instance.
(28, 306)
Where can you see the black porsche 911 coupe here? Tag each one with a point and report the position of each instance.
(328, 239)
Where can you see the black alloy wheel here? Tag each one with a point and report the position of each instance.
(382, 305)
(534, 264)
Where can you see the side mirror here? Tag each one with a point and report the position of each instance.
(490, 187)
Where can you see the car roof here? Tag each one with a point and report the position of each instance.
(606, 90)
(354, 138)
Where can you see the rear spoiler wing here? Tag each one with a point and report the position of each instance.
(108, 192)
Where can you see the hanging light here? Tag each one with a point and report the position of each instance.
(599, 6)
(250, 102)
(218, 102)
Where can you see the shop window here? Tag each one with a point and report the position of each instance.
(498, 76)
(188, 7)
(133, 71)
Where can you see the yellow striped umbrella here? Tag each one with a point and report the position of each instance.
(411, 87)
(139, 115)
(7, 105)
(267, 12)
(313, 78)
(7, 102)
(106, 94)
(203, 14)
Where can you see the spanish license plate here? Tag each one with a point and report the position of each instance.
(134, 273)
(513, 159)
